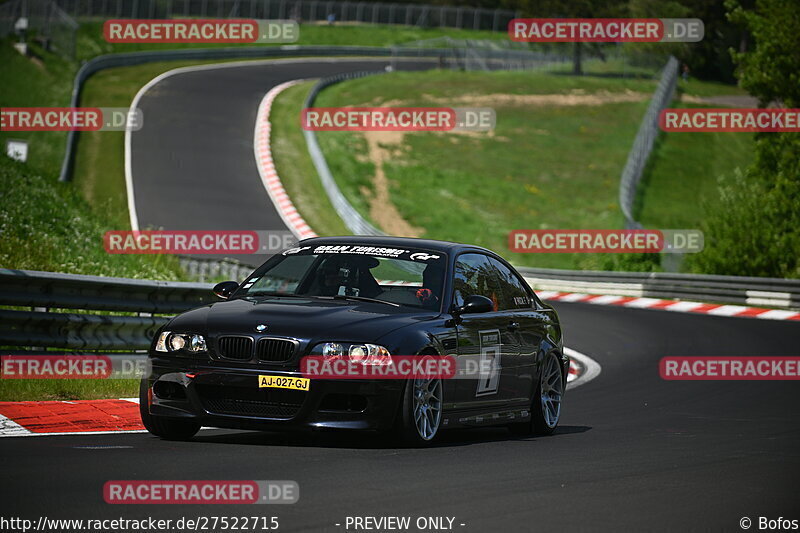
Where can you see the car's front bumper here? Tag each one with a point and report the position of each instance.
(229, 397)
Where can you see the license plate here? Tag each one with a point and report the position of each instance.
(283, 382)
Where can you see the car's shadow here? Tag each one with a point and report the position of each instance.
(366, 439)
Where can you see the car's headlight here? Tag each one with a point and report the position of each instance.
(366, 354)
(170, 341)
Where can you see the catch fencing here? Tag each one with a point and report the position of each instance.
(47, 22)
(423, 16)
(643, 144)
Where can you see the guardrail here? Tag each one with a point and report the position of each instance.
(39, 301)
(48, 297)
(349, 214)
(767, 292)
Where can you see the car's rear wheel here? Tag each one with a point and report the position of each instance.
(546, 401)
(421, 411)
(166, 428)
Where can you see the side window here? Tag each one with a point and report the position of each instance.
(512, 288)
(474, 274)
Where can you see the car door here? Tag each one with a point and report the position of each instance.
(485, 341)
(530, 325)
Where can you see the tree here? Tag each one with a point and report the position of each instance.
(756, 229)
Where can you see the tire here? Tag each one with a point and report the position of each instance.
(166, 428)
(420, 416)
(545, 407)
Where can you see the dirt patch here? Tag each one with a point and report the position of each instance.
(573, 98)
(743, 101)
(381, 208)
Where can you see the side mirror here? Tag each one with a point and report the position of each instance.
(225, 289)
(475, 304)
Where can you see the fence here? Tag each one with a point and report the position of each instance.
(209, 270)
(643, 144)
(45, 296)
(425, 16)
(486, 54)
(50, 24)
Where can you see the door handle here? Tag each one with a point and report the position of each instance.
(513, 326)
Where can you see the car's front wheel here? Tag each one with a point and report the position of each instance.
(421, 411)
(166, 428)
(546, 401)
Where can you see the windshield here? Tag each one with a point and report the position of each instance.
(401, 276)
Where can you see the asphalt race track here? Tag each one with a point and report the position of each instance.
(632, 450)
(192, 163)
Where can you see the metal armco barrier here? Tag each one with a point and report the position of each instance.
(90, 330)
(767, 292)
(41, 292)
(349, 214)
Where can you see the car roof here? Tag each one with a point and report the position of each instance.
(397, 242)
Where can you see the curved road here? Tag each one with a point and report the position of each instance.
(633, 451)
(192, 163)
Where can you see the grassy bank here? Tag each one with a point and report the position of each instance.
(553, 160)
(47, 225)
(681, 184)
(43, 81)
(91, 43)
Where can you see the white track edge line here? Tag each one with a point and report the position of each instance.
(591, 368)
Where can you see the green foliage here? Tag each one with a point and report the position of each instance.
(756, 229)
(46, 225)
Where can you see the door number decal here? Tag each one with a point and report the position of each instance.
(489, 377)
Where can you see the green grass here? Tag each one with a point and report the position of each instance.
(18, 390)
(680, 184)
(91, 43)
(47, 225)
(45, 81)
(545, 167)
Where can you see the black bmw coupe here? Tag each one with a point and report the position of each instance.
(236, 363)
